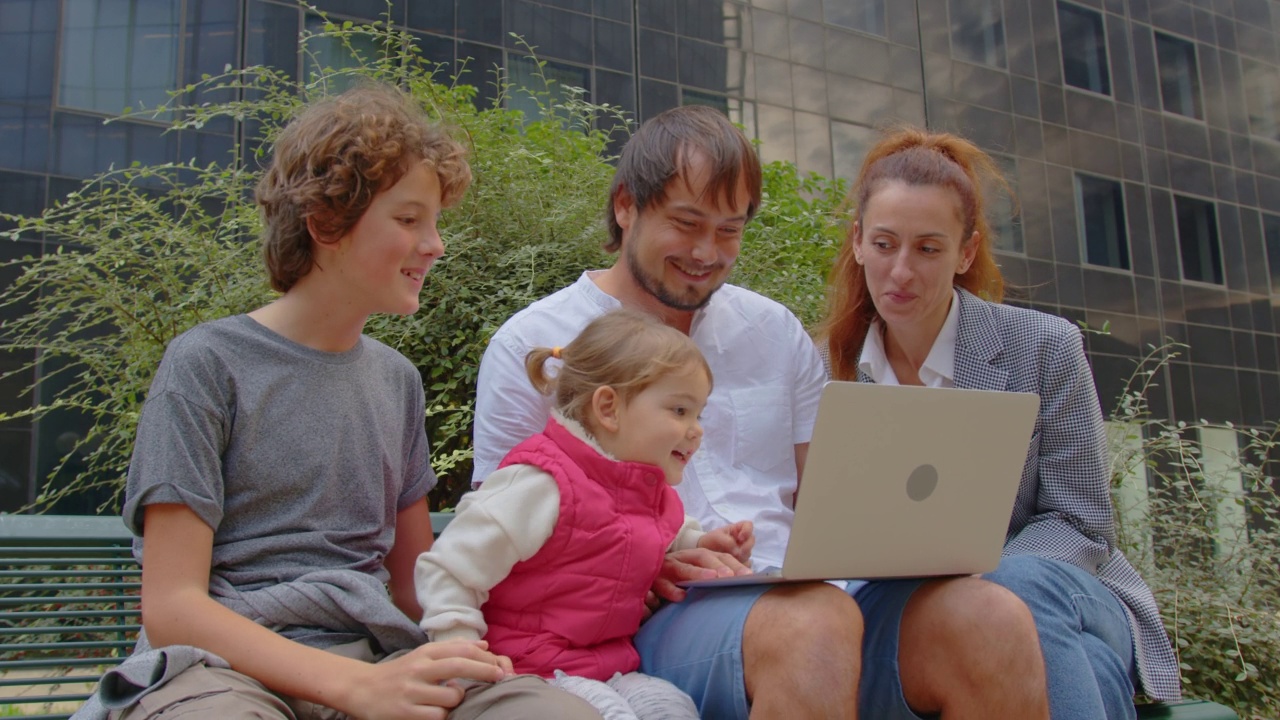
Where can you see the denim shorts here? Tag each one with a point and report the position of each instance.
(696, 644)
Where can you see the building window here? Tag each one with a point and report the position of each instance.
(326, 52)
(694, 97)
(977, 31)
(1271, 232)
(864, 15)
(1006, 221)
(1084, 48)
(1261, 82)
(119, 54)
(542, 87)
(1100, 203)
(1198, 240)
(1179, 76)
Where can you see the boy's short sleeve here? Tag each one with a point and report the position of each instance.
(181, 435)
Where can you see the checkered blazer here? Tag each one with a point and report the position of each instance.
(1063, 510)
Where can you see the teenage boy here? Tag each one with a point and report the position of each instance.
(686, 185)
(278, 481)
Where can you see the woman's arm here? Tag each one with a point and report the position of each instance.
(1072, 519)
(177, 610)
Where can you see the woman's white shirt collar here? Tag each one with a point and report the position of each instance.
(939, 367)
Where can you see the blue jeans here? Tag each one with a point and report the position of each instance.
(1084, 634)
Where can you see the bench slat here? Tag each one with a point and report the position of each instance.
(68, 645)
(46, 573)
(58, 615)
(50, 680)
(60, 600)
(33, 700)
(69, 561)
(65, 629)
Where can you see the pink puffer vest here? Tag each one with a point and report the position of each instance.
(577, 603)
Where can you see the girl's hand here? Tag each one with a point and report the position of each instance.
(737, 540)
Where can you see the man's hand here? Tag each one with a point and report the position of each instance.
(694, 564)
(737, 539)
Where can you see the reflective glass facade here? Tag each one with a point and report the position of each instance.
(1168, 108)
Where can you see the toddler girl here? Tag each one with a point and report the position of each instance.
(550, 560)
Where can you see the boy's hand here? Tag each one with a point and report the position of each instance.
(737, 540)
(424, 683)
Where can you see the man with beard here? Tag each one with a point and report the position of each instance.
(687, 184)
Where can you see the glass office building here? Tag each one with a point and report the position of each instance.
(1142, 136)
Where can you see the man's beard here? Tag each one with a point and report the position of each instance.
(653, 286)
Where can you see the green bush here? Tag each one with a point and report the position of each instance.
(1204, 535)
(789, 247)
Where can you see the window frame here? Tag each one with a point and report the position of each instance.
(1271, 230)
(178, 65)
(1007, 224)
(1271, 121)
(1196, 96)
(1002, 44)
(1125, 253)
(882, 16)
(1215, 247)
(1081, 10)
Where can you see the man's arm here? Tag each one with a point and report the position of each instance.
(177, 610)
(802, 454)
(508, 408)
(809, 377)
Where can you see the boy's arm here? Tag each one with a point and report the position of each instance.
(413, 537)
(177, 610)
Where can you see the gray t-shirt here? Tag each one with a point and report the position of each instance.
(299, 460)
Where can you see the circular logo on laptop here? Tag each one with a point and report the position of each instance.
(922, 483)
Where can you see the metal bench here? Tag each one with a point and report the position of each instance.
(69, 611)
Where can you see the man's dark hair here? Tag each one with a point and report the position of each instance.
(661, 151)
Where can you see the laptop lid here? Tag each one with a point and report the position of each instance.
(904, 481)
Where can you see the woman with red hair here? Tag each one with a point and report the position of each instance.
(914, 299)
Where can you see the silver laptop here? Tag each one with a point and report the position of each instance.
(905, 481)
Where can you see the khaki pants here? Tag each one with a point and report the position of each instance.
(204, 692)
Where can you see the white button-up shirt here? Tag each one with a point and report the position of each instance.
(767, 381)
(939, 369)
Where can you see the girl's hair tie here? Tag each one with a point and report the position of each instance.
(555, 352)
